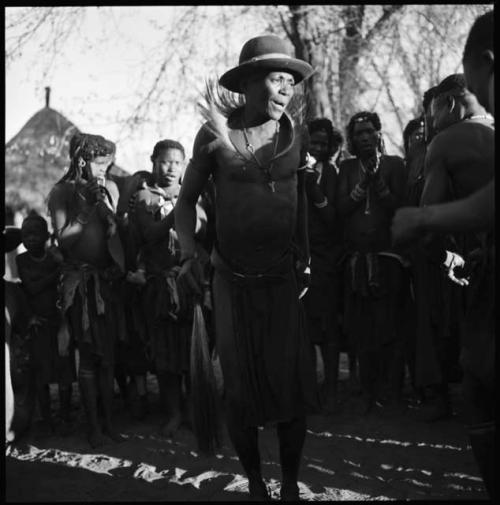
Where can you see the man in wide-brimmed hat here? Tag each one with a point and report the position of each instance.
(256, 157)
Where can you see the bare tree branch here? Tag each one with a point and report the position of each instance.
(386, 82)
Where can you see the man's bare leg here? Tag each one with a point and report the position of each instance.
(106, 383)
(246, 444)
(369, 375)
(43, 397)
(142, 400)
(65, 391)
(291, 439)
(331, 362)
(88, 389)
(9, 392)
(353, 372)
(172, 384)
(123, 386)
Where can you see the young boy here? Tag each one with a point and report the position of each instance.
(39, 269)
(168, 324)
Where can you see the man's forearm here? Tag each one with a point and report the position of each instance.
(185, 225)
(474, 213)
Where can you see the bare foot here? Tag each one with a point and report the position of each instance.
(170, 428)
(258, 490)
(289, 492)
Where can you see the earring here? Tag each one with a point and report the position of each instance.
(81, 163)
(452, 103)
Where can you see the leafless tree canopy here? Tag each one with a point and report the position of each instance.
(370, 57)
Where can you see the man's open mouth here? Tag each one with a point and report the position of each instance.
(281, 105)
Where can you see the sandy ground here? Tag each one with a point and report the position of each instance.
(380, 456)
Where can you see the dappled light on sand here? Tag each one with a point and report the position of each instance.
(401, 443)
(107, 465)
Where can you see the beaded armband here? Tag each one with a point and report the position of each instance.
(322, 204)
(358, 193)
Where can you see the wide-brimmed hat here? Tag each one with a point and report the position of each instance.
(265, 52)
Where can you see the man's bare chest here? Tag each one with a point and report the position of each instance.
(240, 165)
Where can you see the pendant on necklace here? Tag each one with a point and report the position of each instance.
(271, 185)
(250, 148)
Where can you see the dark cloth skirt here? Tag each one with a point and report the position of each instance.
(439, 323)
(478, 349)
(264, 353)
(371, 317)
(97, 345)
(132, 355)
(169, 340)
(321, 304)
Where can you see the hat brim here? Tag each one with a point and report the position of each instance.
(232, 78)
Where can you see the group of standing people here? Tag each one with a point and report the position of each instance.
(289, 250)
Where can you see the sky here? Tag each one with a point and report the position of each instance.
(93, 79)
(95, 76)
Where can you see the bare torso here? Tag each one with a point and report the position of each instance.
(460, 161)
(256, 217)
(83, 239)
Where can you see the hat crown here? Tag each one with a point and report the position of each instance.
(262, 45)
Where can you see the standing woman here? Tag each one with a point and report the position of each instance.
(82, 207)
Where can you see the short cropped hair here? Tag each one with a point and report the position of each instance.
(453, 84)
(34, 217)
(480, 37)
(360, 117)
(324, 124)
(162, 145)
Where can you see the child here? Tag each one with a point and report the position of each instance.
(39, 269)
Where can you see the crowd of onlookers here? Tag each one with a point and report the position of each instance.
(400, 311)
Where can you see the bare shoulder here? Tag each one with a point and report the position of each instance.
(205, 136)
(21, 259)
(112, 187)
(440, 144)
(464, 128)
(60, 194)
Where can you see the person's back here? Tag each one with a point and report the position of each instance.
(466, 149)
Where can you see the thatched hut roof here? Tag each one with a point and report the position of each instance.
(36, 158)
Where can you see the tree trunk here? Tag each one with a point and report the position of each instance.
(304, 36)
(354, 47)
